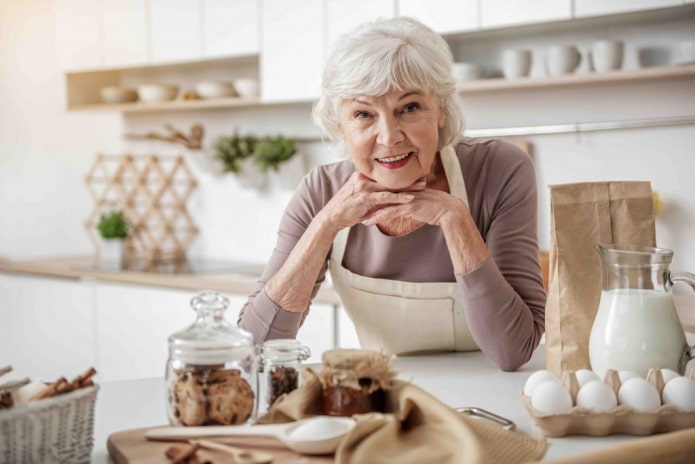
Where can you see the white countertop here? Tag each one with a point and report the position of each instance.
(458, 379)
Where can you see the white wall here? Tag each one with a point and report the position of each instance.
(45, 151)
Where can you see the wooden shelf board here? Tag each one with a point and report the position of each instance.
(176, 105)
(469, 87)
(643, 74)
(221, 60)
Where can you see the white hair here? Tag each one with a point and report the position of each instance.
(386, 55)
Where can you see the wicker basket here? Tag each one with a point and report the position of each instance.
(52, 430)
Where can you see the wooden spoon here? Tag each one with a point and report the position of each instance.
(240, 456)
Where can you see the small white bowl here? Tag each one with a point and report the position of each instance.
(247, 87)
(113, 94)
(464, 71)
(215, 89)
(152, 93)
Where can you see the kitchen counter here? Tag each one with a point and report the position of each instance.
(234, 278)
(457, 379)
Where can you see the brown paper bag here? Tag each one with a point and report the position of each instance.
(582, 215)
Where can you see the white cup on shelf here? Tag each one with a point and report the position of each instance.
(516, 63)
(465, 71)
(687, 51)
(562, 59)
(607, 55)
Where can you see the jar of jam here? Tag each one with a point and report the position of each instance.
(211, 370)
(280, 369)
(355, 381)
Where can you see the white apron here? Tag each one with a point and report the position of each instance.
(405, 317)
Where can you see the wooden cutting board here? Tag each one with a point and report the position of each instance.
(131, 447)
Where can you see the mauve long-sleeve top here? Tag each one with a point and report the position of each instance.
(504, 299)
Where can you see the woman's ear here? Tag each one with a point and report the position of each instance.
(442, 117)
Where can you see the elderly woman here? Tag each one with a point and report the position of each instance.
(430, 239)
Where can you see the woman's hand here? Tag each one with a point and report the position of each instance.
(360, 197)
(429, 206)
(438, 208)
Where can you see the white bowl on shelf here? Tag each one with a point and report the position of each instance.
(247, 87)
(215, 89)
(113, 94)
(153, 93)
(465, 71)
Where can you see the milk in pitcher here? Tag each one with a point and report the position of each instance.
(634, 330)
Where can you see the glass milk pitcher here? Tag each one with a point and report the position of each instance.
(636, 325)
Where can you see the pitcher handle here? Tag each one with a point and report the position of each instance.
(685, 277)
(688, 360)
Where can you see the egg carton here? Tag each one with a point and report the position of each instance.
(622, 419)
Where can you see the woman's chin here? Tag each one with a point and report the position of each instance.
(396, 184)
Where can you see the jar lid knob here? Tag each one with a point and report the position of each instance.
(209, 300)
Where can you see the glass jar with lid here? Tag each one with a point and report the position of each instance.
(281, 369)
(211, 370)
(355, 381)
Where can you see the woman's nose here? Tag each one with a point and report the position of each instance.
(390, 133)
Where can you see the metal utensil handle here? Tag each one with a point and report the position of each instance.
(484, 414)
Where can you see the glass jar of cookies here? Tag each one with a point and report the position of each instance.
(280, 369)
(211, 370)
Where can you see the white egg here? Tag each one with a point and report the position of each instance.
(668, 375)
(550, 397)
(584, 376)
(680, 392)
(639, 394)
(625, 375)
(536, 379)
(597, 396)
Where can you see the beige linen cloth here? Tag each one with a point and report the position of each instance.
(417, 428)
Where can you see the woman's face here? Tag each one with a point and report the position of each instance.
(392, 139)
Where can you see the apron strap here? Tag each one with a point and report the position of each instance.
(454, 176)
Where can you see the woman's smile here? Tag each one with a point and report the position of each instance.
(397, 161)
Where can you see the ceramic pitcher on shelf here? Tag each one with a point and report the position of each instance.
(636, 325)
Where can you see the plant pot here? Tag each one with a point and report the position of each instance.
(290, 173)
(251, 176)
(111, 252)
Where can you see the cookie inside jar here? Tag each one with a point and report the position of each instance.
(211, 370)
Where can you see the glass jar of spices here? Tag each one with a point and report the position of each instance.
(211, 370)
(281, 369)
(355, 381)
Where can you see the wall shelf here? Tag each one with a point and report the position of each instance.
(643, 74)
(468, 87)
(175, 105)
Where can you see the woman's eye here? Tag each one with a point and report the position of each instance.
(361, 114)
(410, 107)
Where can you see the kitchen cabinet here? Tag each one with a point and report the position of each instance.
(124, 25)
(601, 7)
(501, 13)
(78, 34)
(291, 49)
(341, 16)
(230, 27)
(46, 326)
(443, 16)
(175, 30)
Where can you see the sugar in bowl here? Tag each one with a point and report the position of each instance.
(211, 371)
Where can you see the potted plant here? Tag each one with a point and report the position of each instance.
(277, 155)
(236, 153)
(113, 229)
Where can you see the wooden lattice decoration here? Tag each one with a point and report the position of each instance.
(152, 192)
